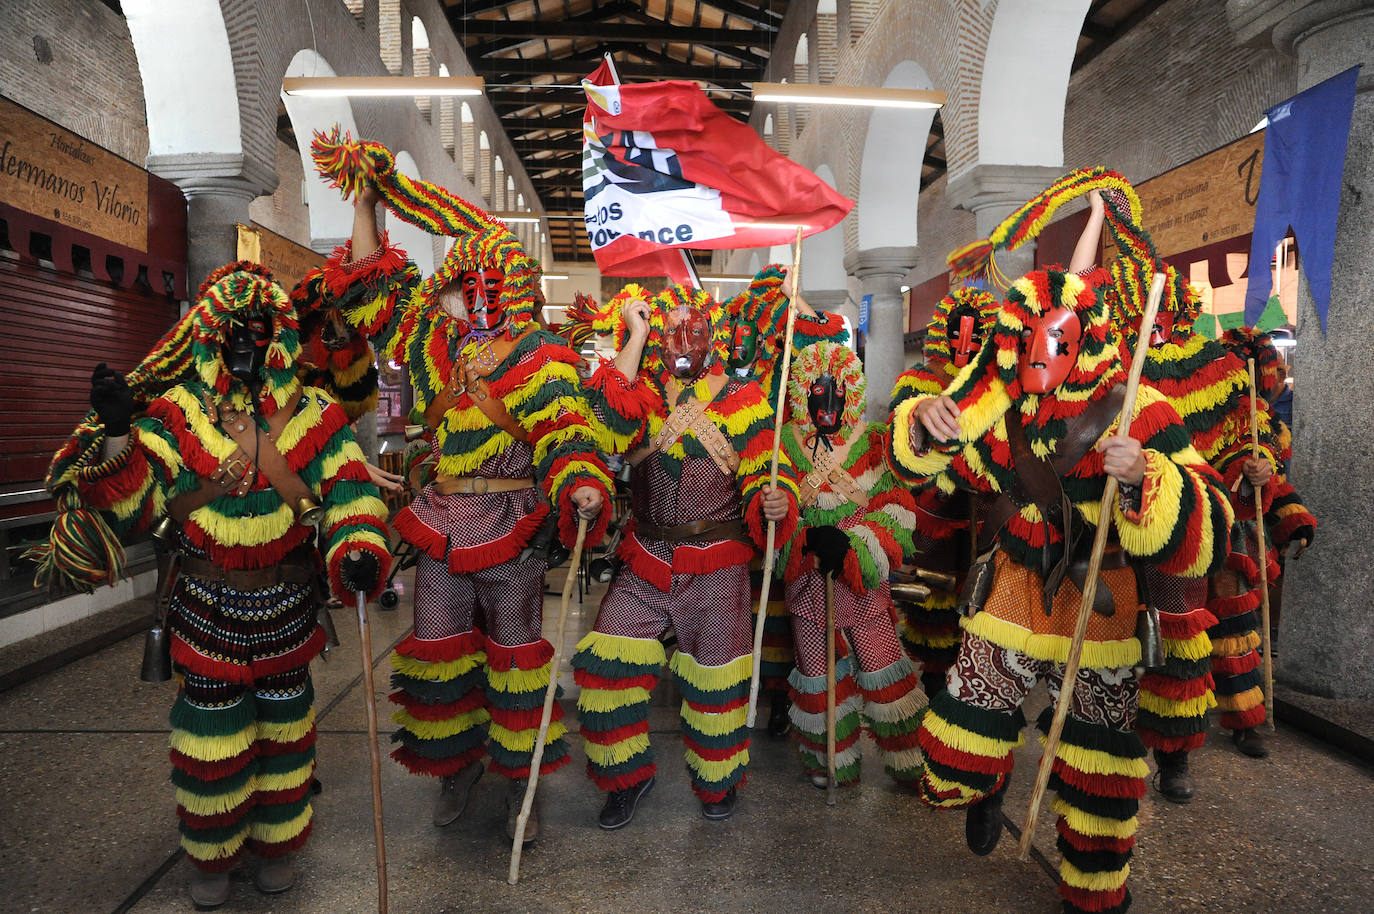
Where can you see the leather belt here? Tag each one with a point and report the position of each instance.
(289, 571)
(480, 485)
(699, 531)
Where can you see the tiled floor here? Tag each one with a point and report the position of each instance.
(87, 825)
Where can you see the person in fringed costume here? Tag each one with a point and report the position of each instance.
(215, 431)
(758, 324)
(856, 523)
(700, 445)
(1047, 388)
(930, 628)
(515, 446)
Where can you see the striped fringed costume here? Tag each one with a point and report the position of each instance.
(876, 513)
(698, 584)
(1178, 524)
(763, 307)
(458, 682)
(334, 357)
(1234, 592)
(243, 726)
(929, 628)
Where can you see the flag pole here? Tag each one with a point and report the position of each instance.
(1263, 557)
(768, 552)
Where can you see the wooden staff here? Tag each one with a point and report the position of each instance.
(1263, 558)
(768, 552)
(374, 752)
(830, 690)
(1085, 607)
(550, 694)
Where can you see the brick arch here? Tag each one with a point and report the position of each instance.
(189, 85)
(330, 213)
(1025, 81)
(888, 184)
(823, 254)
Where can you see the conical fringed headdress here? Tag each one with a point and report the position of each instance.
(482, 241)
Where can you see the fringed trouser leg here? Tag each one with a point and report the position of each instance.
(930, 631)
(1234, 598)
(710, 614)
(779, 655)
(1098, 776)
(438, 677)
(243, 725)
(1174, 700)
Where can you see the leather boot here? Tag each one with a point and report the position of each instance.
(621, 805)
(983, 823)
(778, 721)
(453, 793)
(275, 874)
(515, 800)
(723, 808)
(209, 890)
(1250, 742)
(1175, 784)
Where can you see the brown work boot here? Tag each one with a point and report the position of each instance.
(1250, 742)
(275, 874)
(209, 890)
(453, 794)
(515, 800)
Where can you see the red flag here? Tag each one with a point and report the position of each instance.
(664, 169)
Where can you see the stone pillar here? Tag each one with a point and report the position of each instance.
(1328, 631)
(992, 193)
(218, 189)
(882, 270)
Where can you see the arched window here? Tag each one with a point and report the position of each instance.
(419, 62)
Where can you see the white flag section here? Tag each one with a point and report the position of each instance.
(642, 193)
(663, 169)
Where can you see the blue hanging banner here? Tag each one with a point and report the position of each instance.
(1300, 187)
(865, 305)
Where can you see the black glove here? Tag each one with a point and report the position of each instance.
(359, 572)
(829, 545)
(112, 400)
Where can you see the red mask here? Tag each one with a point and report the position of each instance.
(964, 338)
(688, 343)
(482, 297)
(1163, 328)
(1049, 349)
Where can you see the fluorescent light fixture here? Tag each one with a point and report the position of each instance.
(1284, 342)
(746, 279)
(516, 217)
(556, 276)
(906, 289)
(865, 96)
(382, 85)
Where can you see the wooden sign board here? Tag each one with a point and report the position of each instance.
(1204, 201)
(287, 260)
(53, 173)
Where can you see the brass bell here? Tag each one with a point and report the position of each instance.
(414, 432)
(164, 534)
(1147, 630)
(309, 511)
(157, 654)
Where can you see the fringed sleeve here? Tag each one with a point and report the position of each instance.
(545, 395)
(132, 487)
(750, 427)
(624, 406)
(372, 292)
(329, 460)
(1183, 521)
(915, 381)
(884, 536)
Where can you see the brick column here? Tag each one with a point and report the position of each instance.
(1328, 631)
(881, 270)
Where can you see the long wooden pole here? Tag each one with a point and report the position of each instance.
(1085, 607)
(769, 552)
(374, 751)
(830, 690)
(550, 695)
(1263, 558)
